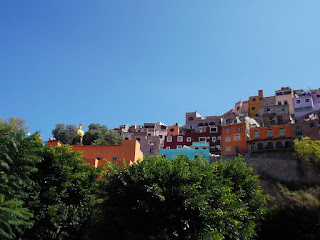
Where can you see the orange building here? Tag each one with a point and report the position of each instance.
(234, 139)
(96, 155)
(273, 137)
(173, 130)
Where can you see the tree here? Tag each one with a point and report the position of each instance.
(13, 124)
(18, 158)
(67, 196)
(307, 150)
(66, 133)
(182, 199)
(100, 135)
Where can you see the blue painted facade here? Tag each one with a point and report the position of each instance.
(196, 150)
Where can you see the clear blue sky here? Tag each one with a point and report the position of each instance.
(117, 62)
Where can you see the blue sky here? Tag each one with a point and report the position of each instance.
(117, 62)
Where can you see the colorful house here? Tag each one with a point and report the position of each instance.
(198, 149)
(305, 103)
(234, 138)
(97, 155)
(255, 102)
(272, 137)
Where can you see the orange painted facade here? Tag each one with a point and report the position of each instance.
(255, 103)
(97, 155)
(173, 130)
(272, 132)
(234, 139)
(54, 143)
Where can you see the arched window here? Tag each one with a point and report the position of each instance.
(269, 145)
(298, 130)
(260, 146)
(288, 144)
(279, 145)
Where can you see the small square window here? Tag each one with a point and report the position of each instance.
(160, 136)
(282, 132)
(256, 134)
(312, 124)
(214, 139)
(213, 129)
(179, 146)
(253, 99)
(253, 108)
(180, 138)
(115, 158)
(270, 133)
(228, 139)
(236, 137)
(298, 101)
(227, 130)
(188, 139)
(202, 139)
(307, 100)
(239, 128)
(228, 149)
(285, 102)
(219, 138)
(169, 138)
(151, 150)
(279, 102)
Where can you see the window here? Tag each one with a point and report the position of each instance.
(307, 100)
(228, 149)
(253, 99)
(200, 125)
(126, 138)
(151, 150)
(260, 98)
(179, 146)
(197, 148)
(149, 134)
(115, 158)
(160, 136)
(180, 138)
(285, 102)
(167, 147)
(265, 103)
(267, 109)
(227, 130)
(253, 108)
(190, 119)
(171, 129)
(312, 124)
(279, 93)
(219, 138)
(188, 139)
(272, 102)
(270, 133)
(99, 158)
(239, 128)
(238, 107)
(279, 102)
(202, 139)
(256, 134)
(228, 139)
(298, 130)
(169, 138)
(214, 139)
(212, 124)
(287, 92)
(236, 148)
(206, 124)
(236, 137)
(213, 129)
(151, 142)
(204, 148)
(282, 132)
(297, 101)
(138, 139)
(218, 147)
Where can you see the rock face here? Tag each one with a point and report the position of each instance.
(280, 166)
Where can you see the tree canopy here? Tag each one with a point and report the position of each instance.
(95, 135)
(18, 159)
(182, 199)
(307, 150)
(100, 135)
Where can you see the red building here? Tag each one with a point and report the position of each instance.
(212, 135)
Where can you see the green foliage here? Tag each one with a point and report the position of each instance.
(298, 217)
(12, 125)
(307, 150)
(100, 135)
(18, 159)
(67, 196)
(66, 133)
(182, 199)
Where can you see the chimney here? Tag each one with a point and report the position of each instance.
(260, 93)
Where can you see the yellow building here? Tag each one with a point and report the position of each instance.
(255, 102)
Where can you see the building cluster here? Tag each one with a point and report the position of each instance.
(262, 123)
(258, 124)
